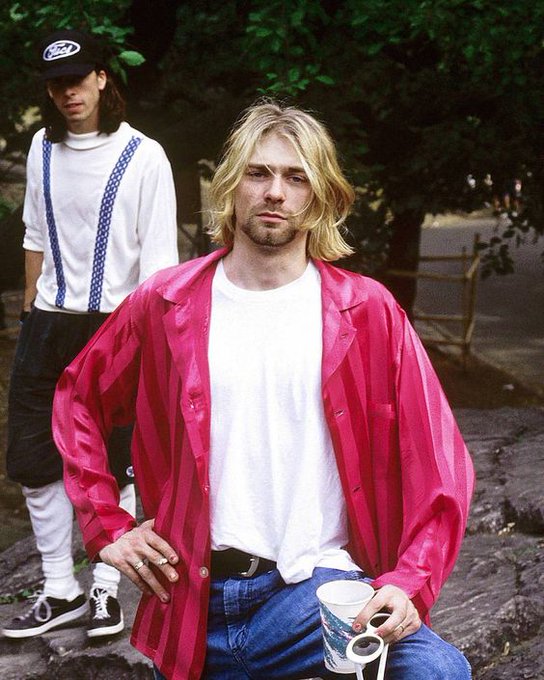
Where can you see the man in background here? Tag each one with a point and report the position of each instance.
(100, 217)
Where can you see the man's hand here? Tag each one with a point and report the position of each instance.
(140, 552)
(404, 619)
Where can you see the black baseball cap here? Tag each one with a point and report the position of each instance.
(69, 53)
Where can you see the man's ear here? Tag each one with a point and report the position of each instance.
(102, 79)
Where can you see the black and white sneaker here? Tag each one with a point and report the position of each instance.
(46, 613)
(106, 614)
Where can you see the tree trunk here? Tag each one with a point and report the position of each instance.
(404, 255)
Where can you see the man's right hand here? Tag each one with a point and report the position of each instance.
(140, 552)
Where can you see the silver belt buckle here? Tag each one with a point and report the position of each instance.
(253, 566)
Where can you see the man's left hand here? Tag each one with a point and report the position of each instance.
(404, 619)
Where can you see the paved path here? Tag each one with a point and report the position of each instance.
(509, 331)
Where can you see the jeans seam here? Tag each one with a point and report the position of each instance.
(236, 642)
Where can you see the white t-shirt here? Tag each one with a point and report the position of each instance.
(112, 222)
(275, 487)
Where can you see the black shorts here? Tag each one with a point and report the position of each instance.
(47, 343)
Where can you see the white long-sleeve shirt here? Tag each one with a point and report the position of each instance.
(102, 209)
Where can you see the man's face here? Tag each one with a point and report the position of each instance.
(272, 196)
(77, 99)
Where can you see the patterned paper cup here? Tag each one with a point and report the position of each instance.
(339, 603)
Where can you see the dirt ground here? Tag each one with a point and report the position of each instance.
(476, 386)
(480, 385)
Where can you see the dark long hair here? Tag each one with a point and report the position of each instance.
(111, 112)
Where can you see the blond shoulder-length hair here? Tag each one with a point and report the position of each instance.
(332, 196)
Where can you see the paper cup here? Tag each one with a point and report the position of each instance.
(339, 604)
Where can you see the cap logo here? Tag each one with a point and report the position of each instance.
(61, 49)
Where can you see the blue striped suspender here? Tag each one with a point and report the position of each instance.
(51, 224)
(104, 223)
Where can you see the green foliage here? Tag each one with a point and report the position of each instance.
(29, 593)
(5, 208)
(131, 58)
(290, 31)
(81, 564)
(417, 93)
(423, 93)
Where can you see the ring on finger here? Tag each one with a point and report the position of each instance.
(161, 561)
(139, 565)
(401, 628)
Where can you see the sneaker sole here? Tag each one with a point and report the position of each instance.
(106, 630)
(48, 625)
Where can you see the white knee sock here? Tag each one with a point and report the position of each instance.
(51, 515)
(105, 576)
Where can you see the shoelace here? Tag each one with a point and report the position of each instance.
(41, 610)
(100, 598)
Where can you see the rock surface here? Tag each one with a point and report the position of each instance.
(492, 607)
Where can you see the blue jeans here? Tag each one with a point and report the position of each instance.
(263, 629)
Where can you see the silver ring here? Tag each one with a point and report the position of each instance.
(161, 561)
(139, 565)
(401, 628)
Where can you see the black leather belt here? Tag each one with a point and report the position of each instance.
(232, 562)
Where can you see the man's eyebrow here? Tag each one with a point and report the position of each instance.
(282, 168)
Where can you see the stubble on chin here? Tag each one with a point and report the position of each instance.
(268, 237)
